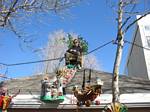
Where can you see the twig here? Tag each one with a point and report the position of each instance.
(126, 29)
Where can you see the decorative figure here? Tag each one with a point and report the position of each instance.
(54, 89)
(45, 88)
(115, 107)
(51, 90)
(65, 74)
(87, 95)
(73, 55)
(5, 99)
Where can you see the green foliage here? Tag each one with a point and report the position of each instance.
(84, 44)
(70, 40)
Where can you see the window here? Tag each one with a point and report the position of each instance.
(148, 40)
(147, 30)
(147, 34)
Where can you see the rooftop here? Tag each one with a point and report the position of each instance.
(32, 84)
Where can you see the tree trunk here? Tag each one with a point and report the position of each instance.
(115, 80)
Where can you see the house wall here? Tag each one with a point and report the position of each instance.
(137, 102)
(138, 62)
(145, 30)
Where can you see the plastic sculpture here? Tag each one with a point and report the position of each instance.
(115, 107)
(73, 55)
(77, 47)
(5, 99)
(51, 90)
(87, 95)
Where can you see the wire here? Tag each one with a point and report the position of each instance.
(60, 58)
(3, 64)
(132, 43)
(100, 47)
(31, 62)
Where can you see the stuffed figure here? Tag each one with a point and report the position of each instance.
(73, 55)
(5, 99)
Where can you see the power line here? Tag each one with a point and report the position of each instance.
(100, 47)
(132, 43)
(31, 62)
(60, 58)
(3, 64)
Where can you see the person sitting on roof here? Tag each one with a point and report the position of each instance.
(74, 54)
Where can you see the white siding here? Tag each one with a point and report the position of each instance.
(136, 65)
(138, 62)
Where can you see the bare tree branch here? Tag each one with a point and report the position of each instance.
(128, 2)
(13, 29)
(9, 12)
(126, 29)
(13, 10)
(125, 22)
(9, 8)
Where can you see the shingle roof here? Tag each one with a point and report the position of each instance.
(32, 84)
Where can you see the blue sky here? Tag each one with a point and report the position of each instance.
(93, 20)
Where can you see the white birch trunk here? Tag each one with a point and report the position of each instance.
(115, 80)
